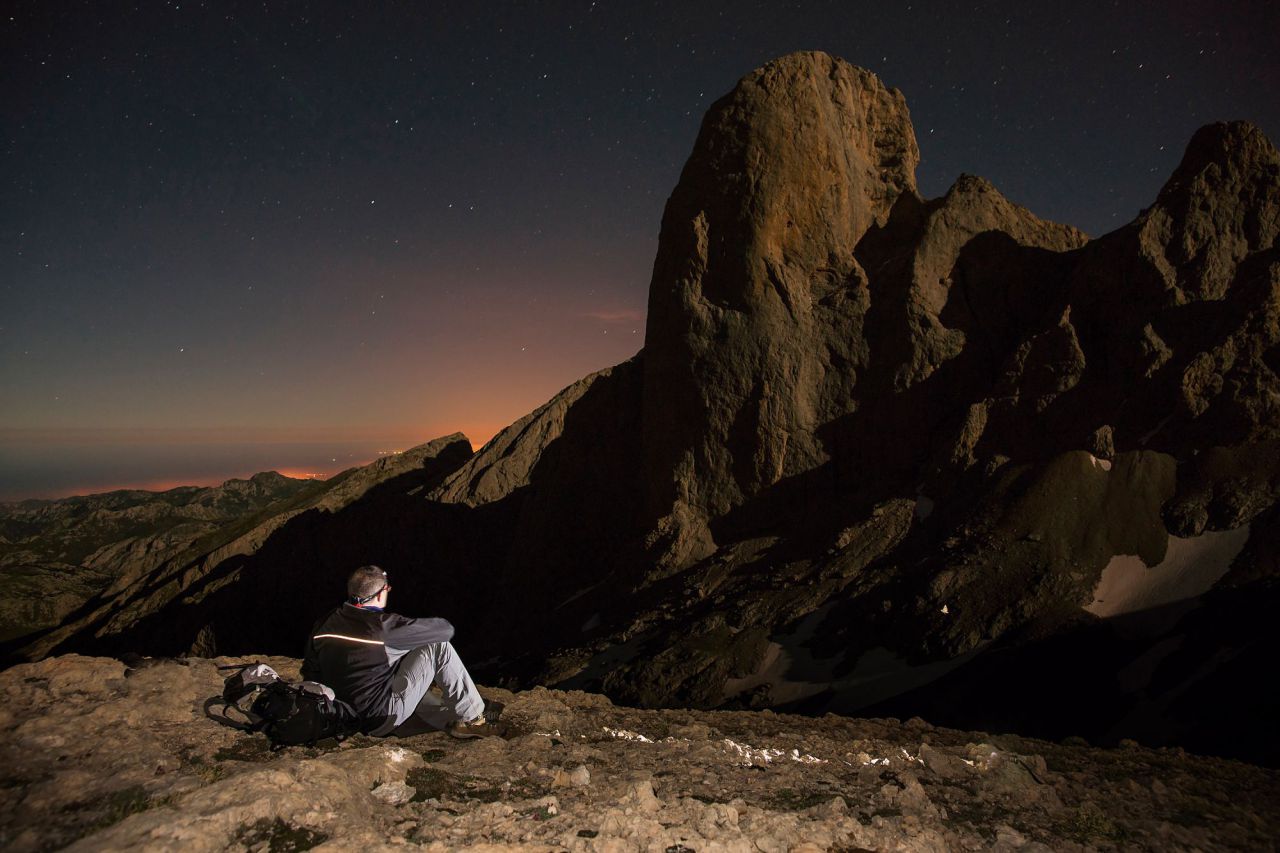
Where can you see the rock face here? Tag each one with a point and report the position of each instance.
(754, 332)
(98, 756)
(877, 449)
(779, 305)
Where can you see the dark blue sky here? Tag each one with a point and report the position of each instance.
(298, 228)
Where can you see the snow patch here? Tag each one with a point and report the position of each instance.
(624, 734)
(742, 753)
(788, 667)
(1142, 442)
(747, 755)
(1189, 569)
(773, 670)
(577, 595)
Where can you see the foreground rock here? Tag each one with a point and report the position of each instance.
(97, 756)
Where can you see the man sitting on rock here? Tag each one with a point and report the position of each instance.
(383, 664)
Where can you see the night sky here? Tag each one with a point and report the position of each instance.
(239, 236)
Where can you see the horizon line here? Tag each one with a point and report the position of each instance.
(242, 434)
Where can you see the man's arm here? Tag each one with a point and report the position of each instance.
(401, 632)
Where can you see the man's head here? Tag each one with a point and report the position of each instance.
(368, 585)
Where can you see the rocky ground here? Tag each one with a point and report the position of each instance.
(98, 756)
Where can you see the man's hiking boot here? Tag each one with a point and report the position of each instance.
(484, 726)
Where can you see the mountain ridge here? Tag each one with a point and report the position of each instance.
(83, 543)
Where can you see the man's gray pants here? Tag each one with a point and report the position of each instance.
(411, 682)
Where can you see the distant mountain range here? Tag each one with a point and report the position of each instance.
(57, 554)
(879, 454)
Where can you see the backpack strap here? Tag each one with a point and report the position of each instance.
(222, 717)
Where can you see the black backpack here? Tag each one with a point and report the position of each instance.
(288, 714)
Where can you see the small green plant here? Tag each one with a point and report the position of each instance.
(483, 793)
(127, 801)
(542, 812)
(978, 816)
(1190, 810)
(197, 766)
(279, 836)
(431, 783)
(428, 783)
(246, 749)
(787, 799)
(120, 804)
(1089, 823)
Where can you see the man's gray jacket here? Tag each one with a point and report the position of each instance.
(354, 651)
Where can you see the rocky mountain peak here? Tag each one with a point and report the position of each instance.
(803, 155)
(267, 479)
(1221, 204)
(790, 169)
(755, 265)
(1229, 145)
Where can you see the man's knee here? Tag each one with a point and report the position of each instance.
(420, 663)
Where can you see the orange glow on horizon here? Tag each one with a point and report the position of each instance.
(162, 485)
(479, 435)
(393, 440)
(312, 473)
